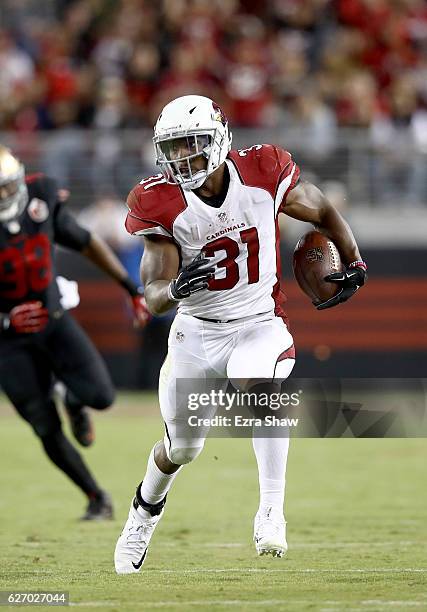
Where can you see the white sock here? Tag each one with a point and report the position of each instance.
(155, 484)
(271, 455)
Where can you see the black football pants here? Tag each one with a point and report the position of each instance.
(28, 365)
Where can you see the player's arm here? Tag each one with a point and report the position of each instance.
(159, 266)
(164, 283)
(72, 235)
(306, 202)
(101, 254)
(98, 251)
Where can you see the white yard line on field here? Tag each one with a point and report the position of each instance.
(391, 602)
(266, 602)
(379, 604)
(95, 604)
(304, 544)
(256, 570)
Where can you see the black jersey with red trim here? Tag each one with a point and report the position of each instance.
(27, 261)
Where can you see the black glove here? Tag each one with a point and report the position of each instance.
(191, 279)
(350, 281)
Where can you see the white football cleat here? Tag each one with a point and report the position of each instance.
(270, 532)
(132, 545)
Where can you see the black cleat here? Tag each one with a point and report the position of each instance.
(100, 508)
(81, 425)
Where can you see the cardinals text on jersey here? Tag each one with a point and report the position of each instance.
(241, 235)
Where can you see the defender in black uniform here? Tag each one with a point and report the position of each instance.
(39, 341)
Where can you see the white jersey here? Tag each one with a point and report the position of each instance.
(241, 236)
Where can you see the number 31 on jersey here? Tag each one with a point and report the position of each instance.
(232, 249)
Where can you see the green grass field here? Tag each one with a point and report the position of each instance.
(356, 512)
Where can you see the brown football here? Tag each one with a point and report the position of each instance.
(315, 256)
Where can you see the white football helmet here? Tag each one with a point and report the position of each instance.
(189, 127)
(13, 190)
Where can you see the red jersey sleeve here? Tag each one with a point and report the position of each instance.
(153, 205)
(268, 167)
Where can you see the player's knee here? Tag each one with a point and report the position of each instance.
(183, 455)
(45, 422)
(55, 445)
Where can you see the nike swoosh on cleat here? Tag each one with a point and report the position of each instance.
(138, 565)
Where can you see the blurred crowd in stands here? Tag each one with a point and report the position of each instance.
(312, 66)
(114, 63)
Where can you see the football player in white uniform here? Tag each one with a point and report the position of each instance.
(209, 222)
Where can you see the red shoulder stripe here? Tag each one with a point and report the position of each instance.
(157, 205)
(134, 224)
(261, 166)
(293, 182)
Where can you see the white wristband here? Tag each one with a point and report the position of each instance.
(4, 322)
(170, 296)
(359, 263)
